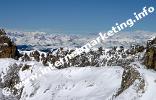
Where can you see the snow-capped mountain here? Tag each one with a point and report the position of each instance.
(116, 73)
(42, 40)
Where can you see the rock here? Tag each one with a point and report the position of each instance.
(7, 48)
(11, 79)
(25, 57)
(131, 76)
(36, 55)
(150, 55)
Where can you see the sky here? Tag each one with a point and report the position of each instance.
(73, 16)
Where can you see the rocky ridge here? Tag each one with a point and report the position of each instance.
(8, 49)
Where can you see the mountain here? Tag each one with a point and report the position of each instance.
(115, 73)
(42, 40)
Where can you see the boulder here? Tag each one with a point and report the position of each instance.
(131, 77)
(7, 48)
(150, 54)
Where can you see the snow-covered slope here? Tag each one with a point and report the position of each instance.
(80, 83)
(75, 84)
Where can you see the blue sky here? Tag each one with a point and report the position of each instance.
(73, 16)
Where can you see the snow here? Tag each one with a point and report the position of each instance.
(76, 84)
(5, 62)
(40, 40)
(80, 83)
(150, 78)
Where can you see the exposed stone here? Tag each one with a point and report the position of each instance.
(150, 55)
(26, 67)
(7, 48)
(131, 76)
(36, 55)
(11, 79)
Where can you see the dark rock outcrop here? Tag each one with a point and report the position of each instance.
(7, 48)
(150, 55)
(97, 58)
(10, 80)
(131, 76)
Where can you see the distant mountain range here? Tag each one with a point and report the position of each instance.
(42, 40)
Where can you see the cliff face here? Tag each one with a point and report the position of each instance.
(150, 55)
(7, 48)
